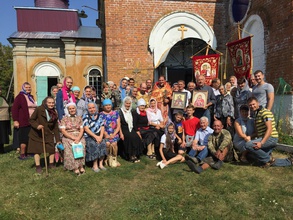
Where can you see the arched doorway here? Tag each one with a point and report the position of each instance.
(46, 75)
(178, 63)
(175, 31)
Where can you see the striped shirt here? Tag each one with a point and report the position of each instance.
(262, 116)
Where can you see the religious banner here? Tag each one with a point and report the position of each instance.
(240, 54)
(207, 65)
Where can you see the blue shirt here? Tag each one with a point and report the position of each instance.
(203, 135)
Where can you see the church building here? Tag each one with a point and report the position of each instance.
(51, 43)
(147, 38)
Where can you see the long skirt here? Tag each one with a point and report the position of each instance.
(5, 131)
(132, 143)
(69, 162)
(94, 150)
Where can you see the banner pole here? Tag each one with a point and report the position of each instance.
(239, 31)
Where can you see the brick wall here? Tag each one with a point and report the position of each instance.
(129, 24)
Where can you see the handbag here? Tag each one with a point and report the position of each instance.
(77, 150)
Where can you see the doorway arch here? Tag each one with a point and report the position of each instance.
(46, 75)
(167, 32)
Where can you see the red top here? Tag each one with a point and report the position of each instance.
(20, 111)
(190, 126)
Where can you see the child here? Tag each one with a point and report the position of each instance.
(167, 147)
(178, 129)
(112, 129)
(190, 126)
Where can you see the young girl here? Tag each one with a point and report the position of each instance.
(111, 134)
(167, 147)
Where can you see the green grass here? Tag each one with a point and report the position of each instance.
(143, 191)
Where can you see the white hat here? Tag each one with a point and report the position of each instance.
(141, 102)
(125, 77)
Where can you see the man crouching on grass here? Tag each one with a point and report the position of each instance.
(263, 146)
(219, 146)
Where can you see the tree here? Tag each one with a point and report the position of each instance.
(6, 69)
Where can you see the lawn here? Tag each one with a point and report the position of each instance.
(143, 191)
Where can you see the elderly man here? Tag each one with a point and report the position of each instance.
(143, 94)
(219, 146)
(263, 146)
(211, 99)
(216, 85)
(264, 92)
(199, 149)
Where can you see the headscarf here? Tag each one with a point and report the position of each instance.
(66, 91)
(50, 112)
(139, 103)
(30, 97)
(170, 138)
(153, 110)
(127, 113)
(86, 99)
(70, 104)
(92, 116)
(122, 90)
(107, 102)
(75, 88)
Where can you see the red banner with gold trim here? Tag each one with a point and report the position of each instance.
(240, 54)
(206, 65)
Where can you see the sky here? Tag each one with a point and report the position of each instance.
(8, 15)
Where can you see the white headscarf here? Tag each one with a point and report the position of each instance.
(127, 113)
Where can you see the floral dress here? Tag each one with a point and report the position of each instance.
(110, 123)
(72, 125)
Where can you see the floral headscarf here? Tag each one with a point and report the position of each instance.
(30, 97)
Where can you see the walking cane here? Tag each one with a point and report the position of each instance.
(44, 148)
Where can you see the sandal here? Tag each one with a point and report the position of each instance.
(82, 170)
(151, 157)
(76, 172)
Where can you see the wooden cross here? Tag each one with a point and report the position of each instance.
(182, 29)
(136, 71)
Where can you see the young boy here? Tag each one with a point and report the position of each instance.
(190, 126)
(178, 130)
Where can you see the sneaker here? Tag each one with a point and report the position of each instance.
(162, 165)
(158, 164)
(96, 170)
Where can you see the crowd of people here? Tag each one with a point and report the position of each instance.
(233, 121)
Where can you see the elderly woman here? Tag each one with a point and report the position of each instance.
(111, 133)
(142, 128)
(94, 130)
(23, 107)
(71, 127)
(244, 128)
(64, 96)
(5, 128)
(131, 141)
(224, 109)
(44, 118)
(241, 96)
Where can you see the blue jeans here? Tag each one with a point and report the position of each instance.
(263, 154)
(201, 154)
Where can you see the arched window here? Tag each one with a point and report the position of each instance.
(95, 79)
(239, 9)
